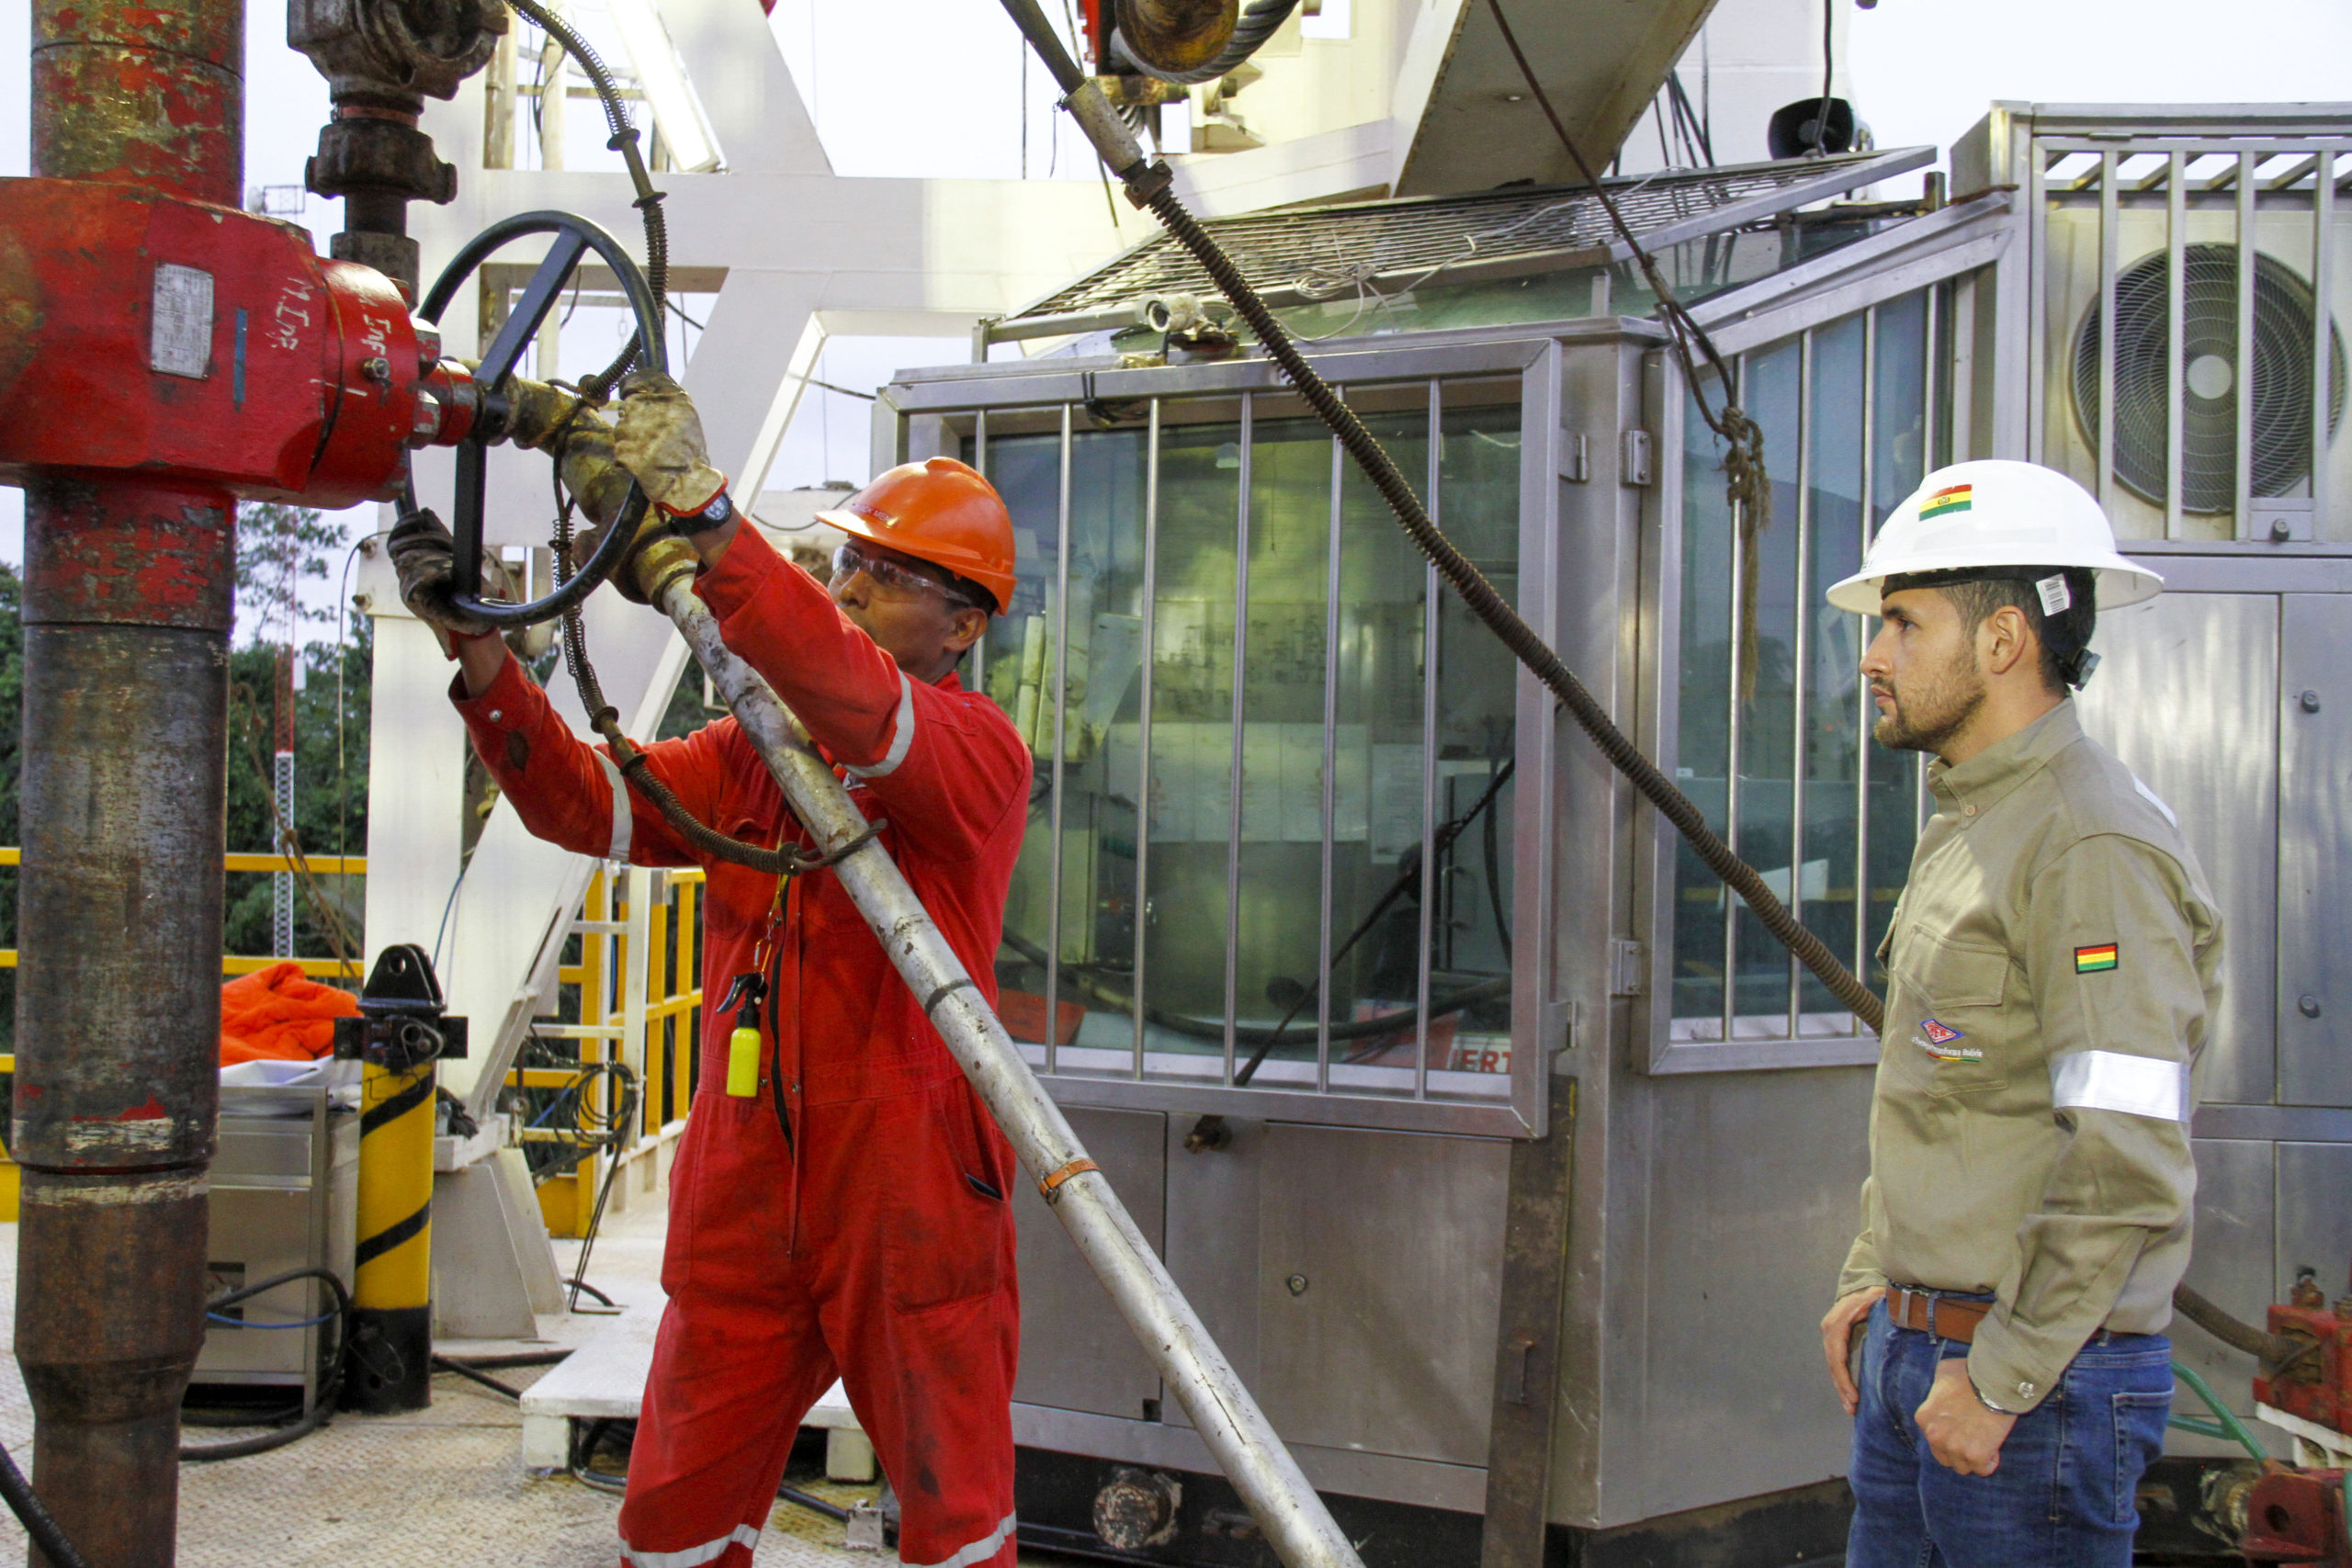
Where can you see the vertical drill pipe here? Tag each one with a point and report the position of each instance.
(1299, 1528)
(118, 989)
(391, 1307)
(126, 622)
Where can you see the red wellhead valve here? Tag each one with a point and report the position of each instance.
(146, 334)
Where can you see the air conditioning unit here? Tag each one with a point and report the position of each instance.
(2268, 292)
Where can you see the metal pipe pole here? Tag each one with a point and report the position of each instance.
(128, 587)
(1299, 1528)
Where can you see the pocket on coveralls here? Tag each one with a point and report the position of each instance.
(947, 1242)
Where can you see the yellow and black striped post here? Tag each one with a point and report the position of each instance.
(391, 1291)
(400, 1034)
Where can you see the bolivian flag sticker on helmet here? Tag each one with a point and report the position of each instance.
(2092, 960)
(1951, 498)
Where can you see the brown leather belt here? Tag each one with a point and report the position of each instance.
(1947, 1317)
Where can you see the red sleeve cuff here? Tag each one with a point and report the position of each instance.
(746, 564)
(508, 703)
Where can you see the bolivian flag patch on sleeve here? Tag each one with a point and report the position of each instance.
(2091, 960)
(1950, 499)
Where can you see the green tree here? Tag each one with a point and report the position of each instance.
(279, 549)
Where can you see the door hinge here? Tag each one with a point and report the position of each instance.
(1625, 966)
(1635, 466)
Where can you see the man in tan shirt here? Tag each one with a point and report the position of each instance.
(2052, 968)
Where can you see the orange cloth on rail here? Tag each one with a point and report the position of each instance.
(280, 1014)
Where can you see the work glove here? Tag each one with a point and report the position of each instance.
(425, 557)
(659, 440)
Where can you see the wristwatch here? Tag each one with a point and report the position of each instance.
(714, 514)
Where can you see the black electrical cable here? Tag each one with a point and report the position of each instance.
(1150, 188)
(814, 1503)
(1828, 72)
(45, 1532)
(330, 1389)
(608, 1132)
(447, 1364)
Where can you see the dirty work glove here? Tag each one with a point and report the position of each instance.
(425, 557)
(659, 440)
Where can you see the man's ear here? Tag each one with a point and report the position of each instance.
(2006, 640)
(971, 625)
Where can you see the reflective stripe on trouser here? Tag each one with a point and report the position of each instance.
(980, 1551)
(743, 1535)
(888, 1269)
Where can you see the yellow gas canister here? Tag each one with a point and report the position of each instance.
(743, 1061)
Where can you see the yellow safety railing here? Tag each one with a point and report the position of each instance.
(647, 1016)
(235, 963)
(638, 1005)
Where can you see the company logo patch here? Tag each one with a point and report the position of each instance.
(2092, 960)
(1950, 499)
(1942, 1041)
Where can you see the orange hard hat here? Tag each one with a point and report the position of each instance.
(940, 511)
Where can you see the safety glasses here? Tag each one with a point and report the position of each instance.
(893, 578)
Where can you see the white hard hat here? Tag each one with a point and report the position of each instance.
(1992, 513)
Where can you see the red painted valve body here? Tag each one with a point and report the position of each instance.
(2318, 1387)
(2297, 1515)
(273, 373)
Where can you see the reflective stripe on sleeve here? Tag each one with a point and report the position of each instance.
(620, 808)
(980, 1551)
(902, 735)
(2115, 1080)
(692, 1556)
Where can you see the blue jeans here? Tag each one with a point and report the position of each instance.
(2063, 1496)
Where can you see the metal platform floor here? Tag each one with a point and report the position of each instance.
(443, 1487)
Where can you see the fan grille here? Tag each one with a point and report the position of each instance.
(2280, 370)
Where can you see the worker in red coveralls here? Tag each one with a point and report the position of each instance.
(847, 1216)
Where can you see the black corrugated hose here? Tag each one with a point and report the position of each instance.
(46, 1534)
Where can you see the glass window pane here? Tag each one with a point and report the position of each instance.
(1102, 713)
(1899, 405)
(1703, 738)
(1018, 666)
(1767, 740)
(1283, 640)
(1473, 809)
(1191, 749)
(1824, 891)
(1377, 752)
(1899, 461)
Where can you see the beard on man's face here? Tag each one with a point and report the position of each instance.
(1931, 706)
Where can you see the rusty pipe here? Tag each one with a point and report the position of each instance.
(127, 603)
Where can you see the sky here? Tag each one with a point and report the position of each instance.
(1922, 71)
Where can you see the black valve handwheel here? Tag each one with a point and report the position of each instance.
(573, 238)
